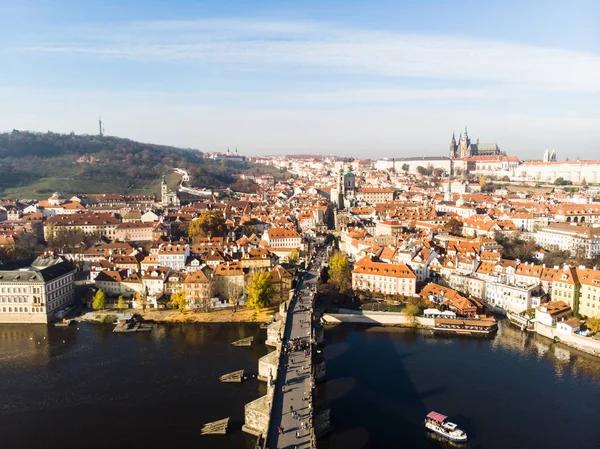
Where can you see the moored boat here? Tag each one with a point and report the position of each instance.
(438, 423)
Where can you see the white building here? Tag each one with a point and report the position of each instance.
(582, 240)
(574, 171)
(33, 293)
(513, 297)
(173, 256)
(282, 238)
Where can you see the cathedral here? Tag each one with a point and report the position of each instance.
(464, 148)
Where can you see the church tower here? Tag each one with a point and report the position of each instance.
(453, 147)
(464, 145)
(164, 190)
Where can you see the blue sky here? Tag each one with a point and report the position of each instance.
(367, 79)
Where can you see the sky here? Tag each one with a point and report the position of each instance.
(366, 79)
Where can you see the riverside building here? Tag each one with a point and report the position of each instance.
(32, 291)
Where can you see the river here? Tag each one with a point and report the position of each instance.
(88, 387)
(510, 391)
(91, 388)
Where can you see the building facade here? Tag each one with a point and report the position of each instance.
(33, 291)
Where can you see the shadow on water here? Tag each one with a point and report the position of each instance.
(396, 399)
(500, 390)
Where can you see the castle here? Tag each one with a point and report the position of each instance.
(464, 148)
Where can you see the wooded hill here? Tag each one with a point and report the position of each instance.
(34, 165)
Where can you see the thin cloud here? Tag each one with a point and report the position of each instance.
(272, 44)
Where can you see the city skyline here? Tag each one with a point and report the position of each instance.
(386, 80)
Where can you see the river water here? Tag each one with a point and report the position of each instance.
(511, 391)
(91, 388)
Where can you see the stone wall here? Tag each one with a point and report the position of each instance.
(585, 344)
(375, 318)
(257, 415)
(18, 317)
(268, 365)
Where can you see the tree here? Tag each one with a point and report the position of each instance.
(99, 300)
(142, 299)
(120, 303)
(482, 181)
(453, 226)
(438, 172)
(234, 291)
(211, 223)
(405, 168)
(340, 274)
(260, 290)
(424, 171)
(294, 258)
(179, 300)
(562, 182)
(412, 310)
(584, 182)
(593, 324)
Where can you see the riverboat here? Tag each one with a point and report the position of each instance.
(439, 424)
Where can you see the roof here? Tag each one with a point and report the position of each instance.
(399, 270)
(41, 269)
(437, 416)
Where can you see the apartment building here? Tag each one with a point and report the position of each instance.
(579, 240)
(197, 289)
(139, 231)
(375, 195)
(282, 238)
(385, 278)
(104, 224)
(173, 256)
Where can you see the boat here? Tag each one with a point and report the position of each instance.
(438, 423)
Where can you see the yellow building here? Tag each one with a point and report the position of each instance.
(589, 292)
(565, 287)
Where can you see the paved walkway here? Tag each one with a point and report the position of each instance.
(295, 372)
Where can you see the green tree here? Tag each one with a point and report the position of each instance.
(584, 182)
(424, 171)
(405, 168)
(120, 303)
(211, 223)
(179, 300)
(260, 290)
(340, 273)
(99, 300)
(593, 324)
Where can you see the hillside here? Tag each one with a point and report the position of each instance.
(34, 165)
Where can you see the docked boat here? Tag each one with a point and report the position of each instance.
(438, 423)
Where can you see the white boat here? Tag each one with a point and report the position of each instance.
(438, 423)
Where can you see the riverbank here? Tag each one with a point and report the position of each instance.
(245, 315)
